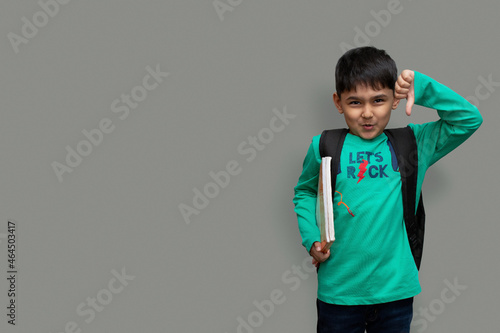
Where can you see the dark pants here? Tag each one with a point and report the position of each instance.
(392, 317)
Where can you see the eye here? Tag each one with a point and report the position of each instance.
(379, 100)
(354, 103)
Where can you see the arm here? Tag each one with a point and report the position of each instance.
(305, 202)
(458, 118)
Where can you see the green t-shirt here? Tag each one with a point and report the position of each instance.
(370, 260)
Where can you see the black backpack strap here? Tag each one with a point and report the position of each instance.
(330, 144)
(405, 147)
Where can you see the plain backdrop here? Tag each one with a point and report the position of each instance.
(248, 85)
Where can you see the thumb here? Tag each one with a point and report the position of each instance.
(410, 100)
(409, 105)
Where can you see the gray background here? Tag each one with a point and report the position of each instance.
(119, 209)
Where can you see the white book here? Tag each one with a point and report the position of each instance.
(324, 204)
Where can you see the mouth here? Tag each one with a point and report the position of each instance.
(368, 126)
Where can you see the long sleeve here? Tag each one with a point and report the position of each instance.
(305, 195)
(458, 119)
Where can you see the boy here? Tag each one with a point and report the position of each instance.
(368, 279)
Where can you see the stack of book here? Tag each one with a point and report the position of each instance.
(324, 204)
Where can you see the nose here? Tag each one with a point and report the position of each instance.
(367, 113)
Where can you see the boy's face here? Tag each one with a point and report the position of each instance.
(366, 111)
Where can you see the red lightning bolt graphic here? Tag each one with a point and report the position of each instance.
(362, 170)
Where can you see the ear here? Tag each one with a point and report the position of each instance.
(336, 100)
(395, 103)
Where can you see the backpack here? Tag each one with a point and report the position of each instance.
(404, 144)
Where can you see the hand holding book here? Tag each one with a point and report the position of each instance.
(320, 251)
(318, 254)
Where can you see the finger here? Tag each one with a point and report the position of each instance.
(410, 100)
(402, 82)
(400, 92)
(324, 256)
(400, 95)
(408, 75)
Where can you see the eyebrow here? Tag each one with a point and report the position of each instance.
(374, 97)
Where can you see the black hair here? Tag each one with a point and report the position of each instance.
(365, 65)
